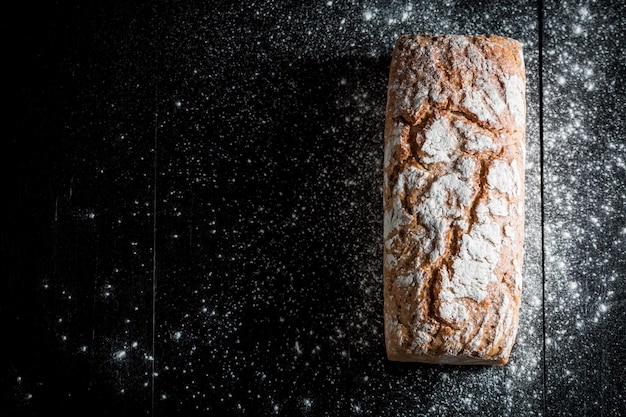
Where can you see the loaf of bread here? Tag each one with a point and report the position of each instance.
(454, 199)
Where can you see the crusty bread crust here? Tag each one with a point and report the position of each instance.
(454, 199)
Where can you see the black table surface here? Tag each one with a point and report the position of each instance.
(193, 211)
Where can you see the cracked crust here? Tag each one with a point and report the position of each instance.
(454, 199)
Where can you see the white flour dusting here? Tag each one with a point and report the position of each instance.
(269, 232)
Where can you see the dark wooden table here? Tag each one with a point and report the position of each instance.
(193, 211)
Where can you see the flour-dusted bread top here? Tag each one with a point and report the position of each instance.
(454, 198)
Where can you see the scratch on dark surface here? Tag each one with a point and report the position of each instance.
(154, 251)
(540, 14)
